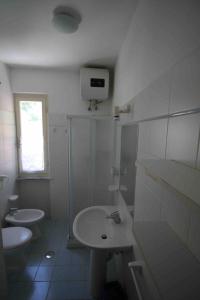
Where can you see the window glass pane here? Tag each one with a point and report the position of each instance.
(32, 142)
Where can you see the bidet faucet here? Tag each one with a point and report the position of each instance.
(115, 216)
(13, 210)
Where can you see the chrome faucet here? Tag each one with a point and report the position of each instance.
(13, 210)
(115, 216)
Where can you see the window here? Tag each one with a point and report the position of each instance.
(31, 118)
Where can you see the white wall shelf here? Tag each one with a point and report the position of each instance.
(173, 269)
(184, 179)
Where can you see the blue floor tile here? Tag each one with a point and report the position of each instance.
(63, 258)
(80, 257)
(27, 291)
(68, 290)
(64, 277)
(68, 273)
(34, 259)
(44, 273)
(26, 275)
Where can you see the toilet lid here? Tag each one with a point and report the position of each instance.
(14, 237)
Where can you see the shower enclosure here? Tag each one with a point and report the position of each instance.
(90, 158)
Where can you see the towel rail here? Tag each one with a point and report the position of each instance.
(136, 266)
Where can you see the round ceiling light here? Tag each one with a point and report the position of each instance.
(66, 19)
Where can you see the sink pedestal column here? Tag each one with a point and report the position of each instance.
(97, 272)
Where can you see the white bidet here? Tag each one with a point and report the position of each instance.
(27, 218)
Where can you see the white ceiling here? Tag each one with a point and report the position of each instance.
(28, 38)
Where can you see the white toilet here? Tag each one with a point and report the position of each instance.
(15, 240)
(24, 217)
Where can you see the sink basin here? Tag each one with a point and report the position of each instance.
(101, 235)
(93, 229)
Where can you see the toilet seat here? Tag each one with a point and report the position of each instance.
(14, 237)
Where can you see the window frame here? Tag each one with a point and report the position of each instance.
(43, 98)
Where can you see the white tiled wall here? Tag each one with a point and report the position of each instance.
(198, 159)
(148, 204)
(182, 140)
(194, 236)
(160, 34)
(3, 285)
(176, 211)
(152, 139)
(7, 139)
(58, 165)
(176, 138)
(34, 194)
(159, 65)
(7, 157)
(185, 88)
(153, 101)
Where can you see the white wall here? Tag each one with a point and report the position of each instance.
(7, 157)
(34, 194)
(3, 286)
(7, 140)
(159, 69)
(63, 89)
(161, 33)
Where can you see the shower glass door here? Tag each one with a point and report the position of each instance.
(90, 162)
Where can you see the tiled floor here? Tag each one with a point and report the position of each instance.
(64, 277)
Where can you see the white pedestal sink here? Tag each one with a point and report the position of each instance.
(94, 230)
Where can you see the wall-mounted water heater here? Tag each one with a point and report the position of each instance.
(94, 84)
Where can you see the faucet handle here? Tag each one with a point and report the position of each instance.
(113, 188)
(123, 188)
(115, 215)
(116, 212)
(117, 188)
(12, 210)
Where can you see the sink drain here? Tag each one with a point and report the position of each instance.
(49, 254)
(104, 236)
